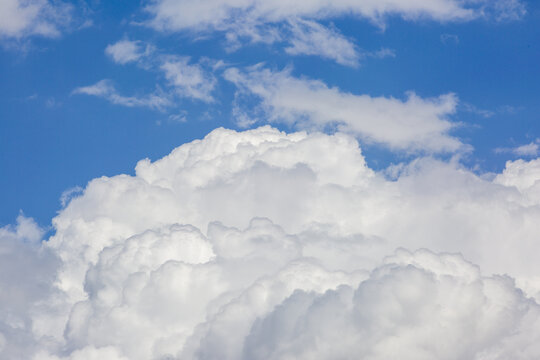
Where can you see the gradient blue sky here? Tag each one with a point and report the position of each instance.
(54, 137)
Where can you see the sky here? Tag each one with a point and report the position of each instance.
(55, 137)
(248, 179)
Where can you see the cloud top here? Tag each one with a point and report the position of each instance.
(267, 245)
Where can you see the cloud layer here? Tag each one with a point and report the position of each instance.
(267, 245)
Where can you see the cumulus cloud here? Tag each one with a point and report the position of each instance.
(20, 18)
(266, 245)
(106, 89)
(417, 306)
(27, 274)
(524, 175)
(412, 124)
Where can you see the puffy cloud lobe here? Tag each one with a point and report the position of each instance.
(282, 258)
(27, 273)
(412, 125)
(327, 190)
(417, 306)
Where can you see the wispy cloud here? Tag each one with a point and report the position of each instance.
(476, 110)
(188, 80)
(312, 38)
(22, 18)
(449, 39)
(167, 15)
(380, 54)
(105, 89)
(125, 51)
(527, 150)
(184, 79)
(413, 124)
(299, 27)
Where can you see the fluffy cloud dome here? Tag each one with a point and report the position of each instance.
(267, 245)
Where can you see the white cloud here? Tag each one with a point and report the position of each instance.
(269, 21)
(413, 124)
(417, 306)
(189, 80)
(524, 175)
(181, 15)
(381, 53)
(298, 26)
(171, 15)
(311, 38)
(20, 18)
(478, 111)
(528, 150)
(105, 89)
(27, 273)
(504, 10)
(184, 80)
(261, 244)
(125, 51)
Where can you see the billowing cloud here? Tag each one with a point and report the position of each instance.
(524, 175)
(267, 245)
(19, 18)
(412, 124)
(27, 274)
(416, 306)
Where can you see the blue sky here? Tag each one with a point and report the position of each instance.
(269, 179)
(54, 138)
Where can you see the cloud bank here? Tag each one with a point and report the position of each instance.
(266, 245)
